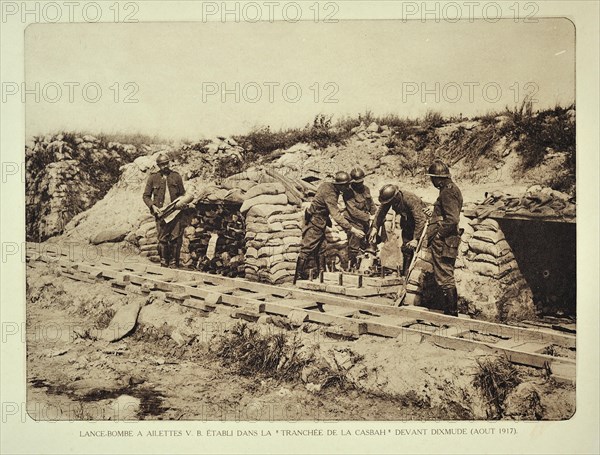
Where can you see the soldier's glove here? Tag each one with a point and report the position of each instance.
(357, 232)
(412, 244)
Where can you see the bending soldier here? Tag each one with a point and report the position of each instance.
(411, 209)
(359, 208)
(443, 234)
(317, 218)
(162, 188)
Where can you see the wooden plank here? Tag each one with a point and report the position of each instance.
(458, 325)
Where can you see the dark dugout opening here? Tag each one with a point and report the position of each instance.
(546, 254)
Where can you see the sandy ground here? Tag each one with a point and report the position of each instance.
(166, 368)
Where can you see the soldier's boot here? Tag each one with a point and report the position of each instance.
(299, 272)
(351, 264)
(451, 302)
(172, 255)
(163, 252)
(175, 247)
(407, 257)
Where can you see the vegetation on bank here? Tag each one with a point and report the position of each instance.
(478, 144)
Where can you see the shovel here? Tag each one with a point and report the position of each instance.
(402, 291)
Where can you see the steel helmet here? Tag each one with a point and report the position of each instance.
(341, 178)
(387, 193)
(162, 158)
(357, 175)
(438, 169)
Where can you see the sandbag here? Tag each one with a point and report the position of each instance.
(267, 211)
(285, 265)
(265, 188)
(274, 242)
(489, 236)
(235, 195)
(508, 257)
(110, 235)
(265, 199)
(264, 228)
(291, 240)
(487, 224)
(292, 216)
(485, 269)
(497, 250)
(251, 253)
(264, 236)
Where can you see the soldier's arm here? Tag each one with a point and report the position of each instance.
(415, 206)
(450, 205)
(332, 205)
(147, 196)
(380, 215)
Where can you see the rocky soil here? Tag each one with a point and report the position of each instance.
(169, 368)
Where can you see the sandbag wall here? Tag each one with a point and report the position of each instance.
(273, 233)
(489, 282)
(146, 238)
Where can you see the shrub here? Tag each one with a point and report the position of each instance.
(495, 378)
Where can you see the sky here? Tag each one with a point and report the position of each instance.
(198, 80)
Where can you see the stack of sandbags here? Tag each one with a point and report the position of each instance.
(488, 278)
(489, 254)
(273, 234)
(146, 238)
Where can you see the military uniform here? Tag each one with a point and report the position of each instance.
(359, 208)
(160, 191)
(317, 218)
(411, 209)
(443, 234)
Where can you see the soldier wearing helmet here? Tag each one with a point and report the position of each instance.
(317, 217)
(162, 188)
(411, 209)
(443, 234)
(358, 212)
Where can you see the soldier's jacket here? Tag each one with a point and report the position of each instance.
(409, 206)
(154, 194)
(446, 211)
(359, 205)
(325, 204)
(443, 235)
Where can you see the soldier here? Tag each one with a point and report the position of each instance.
(443, 234)
(317, 218)
(412, 219)
(359, 208)
(156, 198)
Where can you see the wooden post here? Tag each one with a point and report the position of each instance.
(341, 279)
(360, 280)
(321, 276)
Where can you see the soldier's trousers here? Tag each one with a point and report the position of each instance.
(313, 236)
(169, 240)
(443, 265)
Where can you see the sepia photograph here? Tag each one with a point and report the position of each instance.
(277, 213)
